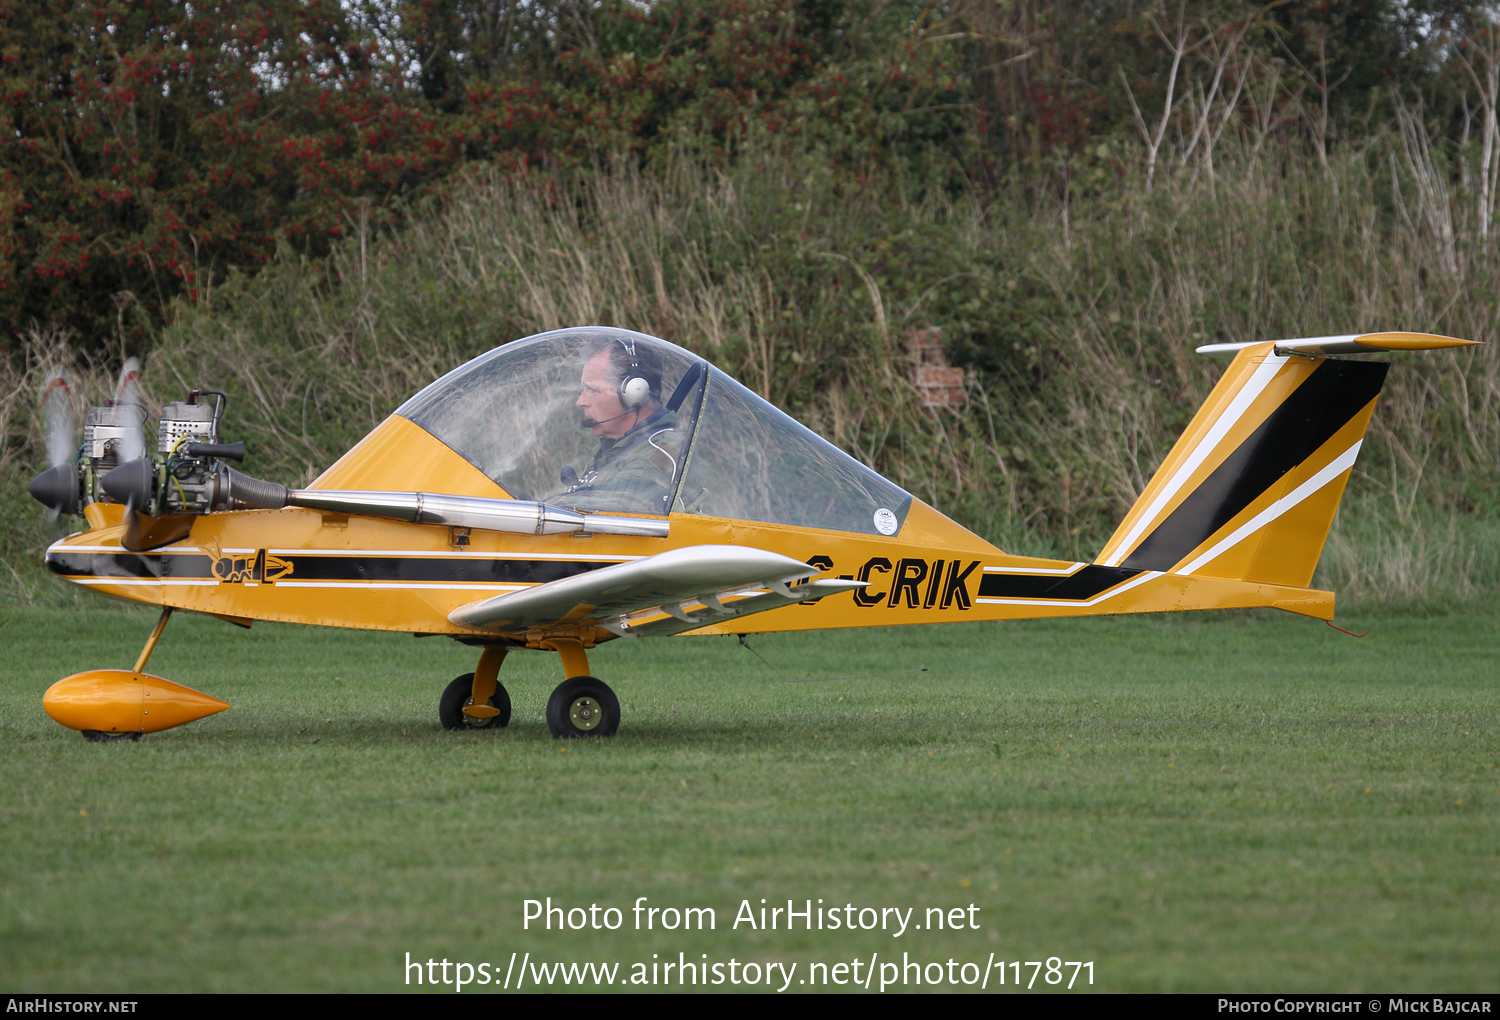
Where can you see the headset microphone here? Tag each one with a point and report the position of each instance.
(589, 423)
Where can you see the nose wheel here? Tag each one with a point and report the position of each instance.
(583, 706)
(101, 737)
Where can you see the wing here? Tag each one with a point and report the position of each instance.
(653, 596)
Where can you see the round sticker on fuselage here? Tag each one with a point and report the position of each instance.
(885, 521)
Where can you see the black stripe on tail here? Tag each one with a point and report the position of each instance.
(1328, 398)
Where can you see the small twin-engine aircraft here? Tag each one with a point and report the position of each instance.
(590, 484)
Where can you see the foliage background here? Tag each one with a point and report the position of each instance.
(320, 207)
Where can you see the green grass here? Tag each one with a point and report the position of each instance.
(1243, 802)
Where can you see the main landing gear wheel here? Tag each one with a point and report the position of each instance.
(583, 707)
(461, 693)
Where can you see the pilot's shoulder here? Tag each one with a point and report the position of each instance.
(669, 440)
(663, 448)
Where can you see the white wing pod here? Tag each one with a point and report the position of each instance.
(662, 583)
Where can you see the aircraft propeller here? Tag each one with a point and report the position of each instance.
(119, 425)
(57, 487)
(128, 393)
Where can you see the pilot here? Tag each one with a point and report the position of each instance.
(640, 447)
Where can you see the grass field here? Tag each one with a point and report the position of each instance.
(1206, 803)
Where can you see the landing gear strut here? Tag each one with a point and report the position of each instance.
(476, 701)
(581, 706)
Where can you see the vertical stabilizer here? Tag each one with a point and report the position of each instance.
(1250, 489)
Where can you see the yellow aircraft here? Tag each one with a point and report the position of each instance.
(590, 484)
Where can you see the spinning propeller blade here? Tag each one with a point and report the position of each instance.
(56, 401)
(128, 392)
(61, 423)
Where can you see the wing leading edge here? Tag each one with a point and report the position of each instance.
(655, 596)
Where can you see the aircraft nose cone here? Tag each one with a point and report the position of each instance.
(56, 488)
(120, 701)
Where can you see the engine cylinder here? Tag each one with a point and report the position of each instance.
(180, 419)
(110, 431)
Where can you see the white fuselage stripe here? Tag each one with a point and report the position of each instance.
(1147, 576)
(1252, 389)
(144, 582)
(211, 582)
(59, 546)
(180, 550)
(1071, 569)
(400, 586)
(447, 554)
(1343, 462)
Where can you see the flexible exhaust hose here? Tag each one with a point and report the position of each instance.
(255, 493)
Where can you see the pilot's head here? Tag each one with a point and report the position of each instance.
(613, 401)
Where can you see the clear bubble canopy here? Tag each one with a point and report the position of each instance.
(601, 419)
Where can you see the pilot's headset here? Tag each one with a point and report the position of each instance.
(635, 390)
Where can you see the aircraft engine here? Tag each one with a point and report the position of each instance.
(184, 475)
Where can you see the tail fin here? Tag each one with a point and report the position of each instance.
(1250, 489)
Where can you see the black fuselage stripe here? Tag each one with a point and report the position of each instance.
(390, 568)
(76, 564)
(1327, 400)
(1083, 585)
(1086, 583)
(327, 568)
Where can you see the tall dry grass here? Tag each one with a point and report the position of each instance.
(1386, 239)
(1076, 317)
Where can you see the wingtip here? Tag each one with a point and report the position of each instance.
(1401, 341)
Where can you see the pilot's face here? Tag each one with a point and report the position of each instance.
(600, 399)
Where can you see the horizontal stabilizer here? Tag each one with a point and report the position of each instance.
(655, 585)
(1353, 343)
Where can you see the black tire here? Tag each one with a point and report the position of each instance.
(101, 737)
(461, 693)
(583, 707)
